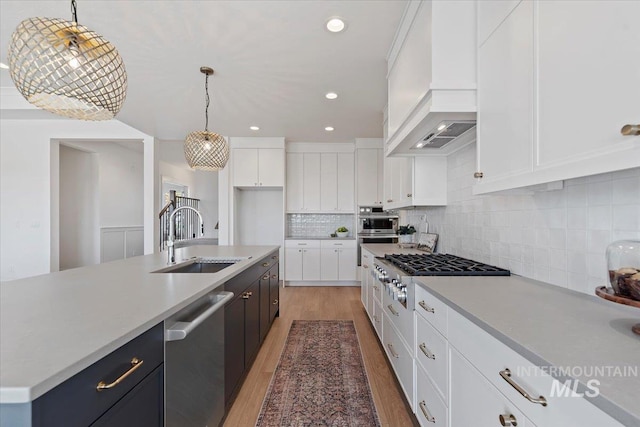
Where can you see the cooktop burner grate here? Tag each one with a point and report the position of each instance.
(443, 265)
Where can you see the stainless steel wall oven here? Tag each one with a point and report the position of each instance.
(376, 226)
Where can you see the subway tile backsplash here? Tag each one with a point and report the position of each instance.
(318, 225)
(559, 237)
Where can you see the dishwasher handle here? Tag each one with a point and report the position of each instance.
(180, 330)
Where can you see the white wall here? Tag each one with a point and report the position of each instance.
(79, 218)
(559, 237)
(28, 155)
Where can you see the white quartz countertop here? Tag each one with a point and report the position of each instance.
(55, 325)
(381, 249)
(554, 327)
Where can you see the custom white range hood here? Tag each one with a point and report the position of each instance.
(432, 79)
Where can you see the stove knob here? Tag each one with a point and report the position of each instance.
(402, 296)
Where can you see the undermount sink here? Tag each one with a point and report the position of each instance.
(201, 265)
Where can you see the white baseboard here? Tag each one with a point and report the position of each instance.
(320, 283)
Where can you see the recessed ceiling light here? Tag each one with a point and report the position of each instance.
(331, 95)
(4, 66)
(442, 126)
(254, 128)
(329, 128)
(419, 145)
(335, 25)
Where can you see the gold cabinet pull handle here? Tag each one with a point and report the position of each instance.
(425, 412)
(478, 175)
(247, 295)
(274, 276)
(135, 364)
(265, 264)
(628, 130)
(507, 420)
(365, 266)
(395, 313)
(426, 307)
(506, 375)
(275, 302)
(393, 353)
(265, 277)
(425, 350)
(389, 200)
(274, 257)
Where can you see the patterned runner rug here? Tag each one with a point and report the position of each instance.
(320, 379)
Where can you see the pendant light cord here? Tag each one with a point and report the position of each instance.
(74, 11)
(206, 109)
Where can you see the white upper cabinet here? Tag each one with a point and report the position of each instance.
(505, 97)
(295, 174)
(588, 83)
(346, 182)
(311, 181)
(369, 175)
(490, 14)
(415, 181)
(328, 181)
(258, 167)
(321, 182)
(432, 71)
(557, 80)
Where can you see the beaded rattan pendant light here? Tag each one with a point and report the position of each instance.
(206, 150)
(67, 69)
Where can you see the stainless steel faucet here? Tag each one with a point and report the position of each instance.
(172, 231)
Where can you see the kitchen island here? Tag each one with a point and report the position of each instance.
(55, 325)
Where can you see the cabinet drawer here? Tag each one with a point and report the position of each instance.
(267, 262)
(491, 356)
(401, 317)
(377, 319)
(338, 244)
(476, 402)
(77, 402)
(399, 355)
(302, 243)
(431, 308)
(432, 352)
(430, 409)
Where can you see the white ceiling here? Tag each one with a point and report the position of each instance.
(273, 62)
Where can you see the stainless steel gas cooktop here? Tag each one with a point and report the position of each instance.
(443, 265)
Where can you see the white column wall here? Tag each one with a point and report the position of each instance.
(28, 225)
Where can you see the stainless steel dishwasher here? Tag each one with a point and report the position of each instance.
(194, 363)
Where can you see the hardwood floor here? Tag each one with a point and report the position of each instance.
(321, 303)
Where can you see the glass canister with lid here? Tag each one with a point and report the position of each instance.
(623, 262)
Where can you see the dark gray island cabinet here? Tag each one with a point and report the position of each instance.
(248, 318)
(124, 388)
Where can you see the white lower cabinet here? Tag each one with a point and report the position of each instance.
(302, 260)
(399, 355)
(475, 402)
(377, 318)
(320, 260)
(432, 353)
(429, 408)
(338, 260)
(506, 370)
(454, 373)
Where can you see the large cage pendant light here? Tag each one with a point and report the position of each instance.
(67, 69)
(206, 150)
